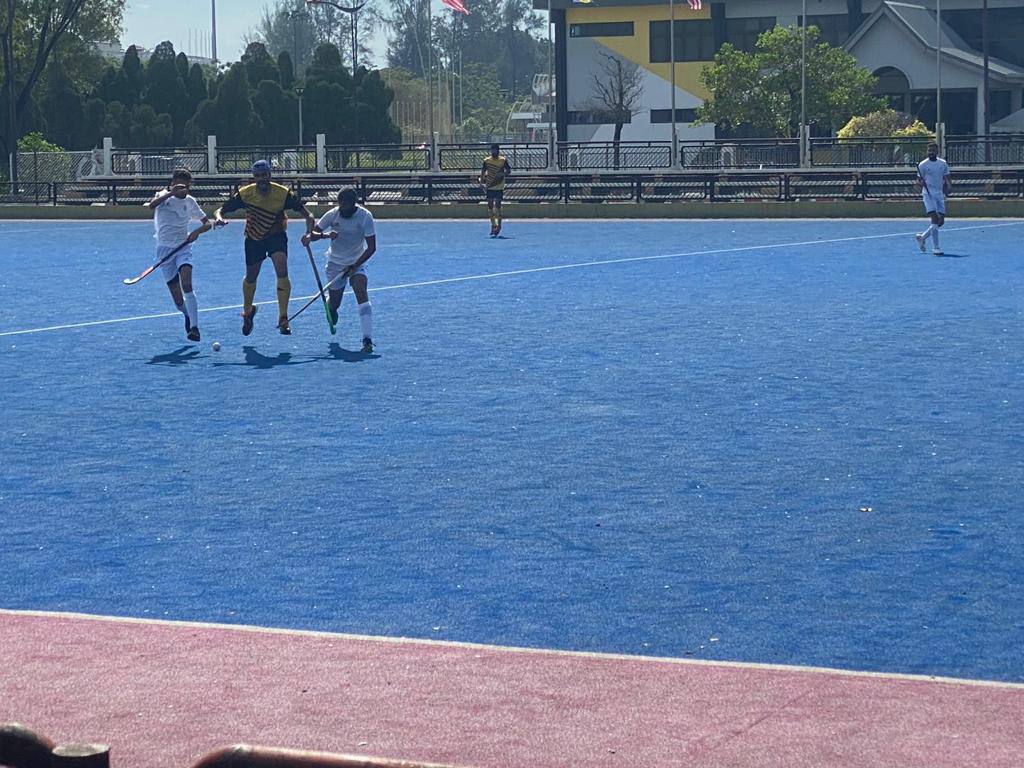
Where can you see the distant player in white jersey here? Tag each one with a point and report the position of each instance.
(350, 229)
(175, 208)
(933, 181)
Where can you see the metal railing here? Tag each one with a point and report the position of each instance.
(612, 156)
(994, 149)
(26, 193)
(867, 152)
(381, 157)
(615, 187)
(157, 161)
(239, 160)
(470, 157)
(740, 153)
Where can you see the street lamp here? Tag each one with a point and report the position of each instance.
(352, 15)
(299, 90)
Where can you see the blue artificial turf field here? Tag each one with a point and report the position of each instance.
(806, 453)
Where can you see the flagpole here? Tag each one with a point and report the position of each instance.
(672, 64)
(550, 106)
(430, 75)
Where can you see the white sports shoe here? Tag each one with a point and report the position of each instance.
(920, 242)
(937, 252)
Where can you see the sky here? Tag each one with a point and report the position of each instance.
(183, 22)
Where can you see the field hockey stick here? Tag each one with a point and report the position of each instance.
(151, 269)
(324, 290)
(320, 285)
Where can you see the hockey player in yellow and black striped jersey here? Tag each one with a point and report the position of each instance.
(495, 171)
(265, 204)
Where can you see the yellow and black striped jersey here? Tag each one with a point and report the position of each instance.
(264, 213)
(494, 172)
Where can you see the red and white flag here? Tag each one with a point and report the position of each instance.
(456, 5)
(694, 5)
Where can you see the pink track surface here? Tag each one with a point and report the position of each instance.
(164, 694)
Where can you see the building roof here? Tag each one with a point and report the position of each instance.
(919, 22)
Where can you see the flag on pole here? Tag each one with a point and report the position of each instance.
(694, 5)
(456, 5)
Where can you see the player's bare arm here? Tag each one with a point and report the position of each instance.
(205, 226)
(166, 194)
(371, 248)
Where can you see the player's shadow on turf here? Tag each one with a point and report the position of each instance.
(254, 359)
(953, 256)
(180, 356)
(336, 352)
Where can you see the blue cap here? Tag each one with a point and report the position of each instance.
(261, 166)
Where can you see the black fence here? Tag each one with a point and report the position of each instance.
(612, 156)
(158, 161)
(283, 160)
(26, 193)
(995, 149)
(470, 157)
(741, 153)
(861, 153)
(442, 189)
(376, 158)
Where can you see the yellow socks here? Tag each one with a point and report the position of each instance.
(284, 294)
(248, 294)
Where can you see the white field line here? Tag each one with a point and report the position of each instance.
(515, 272)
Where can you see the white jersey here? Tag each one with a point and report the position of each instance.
(172, 218)
(933, 173)
(350, 243)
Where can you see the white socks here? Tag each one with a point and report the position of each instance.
(192, 308)
(366, 320)
(935, 236)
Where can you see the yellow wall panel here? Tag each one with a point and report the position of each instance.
(637, 48)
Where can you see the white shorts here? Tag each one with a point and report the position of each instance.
(936, 203)
(334, 269)
(173, 265)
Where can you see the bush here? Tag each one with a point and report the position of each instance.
(35, 142)
(884, 123)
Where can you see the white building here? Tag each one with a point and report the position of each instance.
(895, 40)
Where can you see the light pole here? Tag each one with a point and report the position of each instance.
(352, 14)
(938, 71)
(804, 144)
(299, 90)
(213, 29)
(672, 79)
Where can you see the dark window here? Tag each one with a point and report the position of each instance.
(1005, 31)
(695, 41)
(743, 33)
(602, 29)
(998, 105)
(834, 29)
(665, 115)
(957, 110)
(595, 117)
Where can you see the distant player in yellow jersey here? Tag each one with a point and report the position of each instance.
(493, 175)
(265, 203)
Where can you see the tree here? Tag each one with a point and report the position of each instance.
(760, 91)
(259, 64)
(63, 109)
(618, 88)
(165, 90)
(29, 33)
(230, 115)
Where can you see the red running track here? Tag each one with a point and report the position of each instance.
(163, 694)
